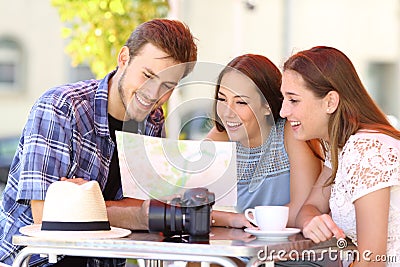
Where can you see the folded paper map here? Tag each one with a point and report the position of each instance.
(153, 167)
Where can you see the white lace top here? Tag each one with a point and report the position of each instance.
(368, 162)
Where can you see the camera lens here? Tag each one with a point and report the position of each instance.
(165, 218)
(190, 215)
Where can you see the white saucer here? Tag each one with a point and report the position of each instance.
(272, 235)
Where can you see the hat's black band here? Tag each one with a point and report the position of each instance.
(76, 226)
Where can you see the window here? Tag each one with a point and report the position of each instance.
(10, 65)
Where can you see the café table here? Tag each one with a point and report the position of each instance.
(224, 244)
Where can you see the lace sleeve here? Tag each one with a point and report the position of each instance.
(369, 165)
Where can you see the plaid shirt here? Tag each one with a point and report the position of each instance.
(66, 134)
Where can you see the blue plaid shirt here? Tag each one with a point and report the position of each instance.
(66, 134)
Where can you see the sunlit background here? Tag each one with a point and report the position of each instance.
(33, 54)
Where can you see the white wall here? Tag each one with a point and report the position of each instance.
(225, 28)
(35, 25)
(367, 31)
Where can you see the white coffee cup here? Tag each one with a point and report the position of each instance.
(268, 218)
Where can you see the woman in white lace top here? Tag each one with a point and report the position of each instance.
(360, 183)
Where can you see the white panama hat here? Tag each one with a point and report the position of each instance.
(74, 211)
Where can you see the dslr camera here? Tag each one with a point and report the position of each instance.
(187, 215)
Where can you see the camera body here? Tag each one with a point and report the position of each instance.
(187, 215)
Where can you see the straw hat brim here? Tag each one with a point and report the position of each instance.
(35, 231)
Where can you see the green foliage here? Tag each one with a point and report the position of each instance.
(97, 29)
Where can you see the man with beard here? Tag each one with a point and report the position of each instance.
(70, 133)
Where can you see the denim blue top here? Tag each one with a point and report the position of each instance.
(263, 172)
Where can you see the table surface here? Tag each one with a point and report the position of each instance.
(224, 242)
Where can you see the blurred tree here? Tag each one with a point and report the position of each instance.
(97, 28)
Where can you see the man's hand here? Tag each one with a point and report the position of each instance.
(128, 213)
(321, 228)
(78, 181)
